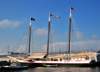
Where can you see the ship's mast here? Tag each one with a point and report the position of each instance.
(69, 35)
(29, 36)
(48, 36)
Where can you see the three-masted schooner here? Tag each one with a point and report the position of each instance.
(79, 59)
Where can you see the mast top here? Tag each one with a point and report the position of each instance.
(70, 12)
(49, 16)
(30, 23)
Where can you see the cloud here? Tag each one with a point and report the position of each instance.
(55, 46)
(41, 31)
(79, 35)
(82, 45)
(21, 49)
(7, 23)
(0, 50)
(94, 37)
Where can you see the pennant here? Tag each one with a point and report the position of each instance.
(73, 9)
(54, 16)
(51, 15)
(32, 19)
(57, 16)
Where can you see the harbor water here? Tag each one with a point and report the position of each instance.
(58, 69)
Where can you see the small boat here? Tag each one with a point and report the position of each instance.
(13, 67)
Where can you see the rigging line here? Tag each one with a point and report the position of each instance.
(37, 41)
(55, 35)
(24, 43)
(74, 47)
(75, 31)
(21, 42)
(19, 39)
(51, 43)
(27, 36)
(86, 45)
(26, 47)
(79, 37)
(52, 27)
(82, 43)
(18, 45)
(52, 49)
(32, 41)
(82, 39)
(78, 32)
(73, 41)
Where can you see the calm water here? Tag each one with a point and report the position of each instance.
(59, 69)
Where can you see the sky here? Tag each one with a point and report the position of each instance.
(15, 18)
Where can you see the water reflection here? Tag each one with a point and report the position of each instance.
(60, 69)
(66, 69)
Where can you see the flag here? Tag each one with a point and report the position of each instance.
(73, 9)
(32, 19)
(54, 16)
(57, 16)
(51, 15)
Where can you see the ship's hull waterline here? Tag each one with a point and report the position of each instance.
(57, 64)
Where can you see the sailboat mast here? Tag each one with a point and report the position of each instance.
(29, 36)
(48, 36)
(69, 34)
